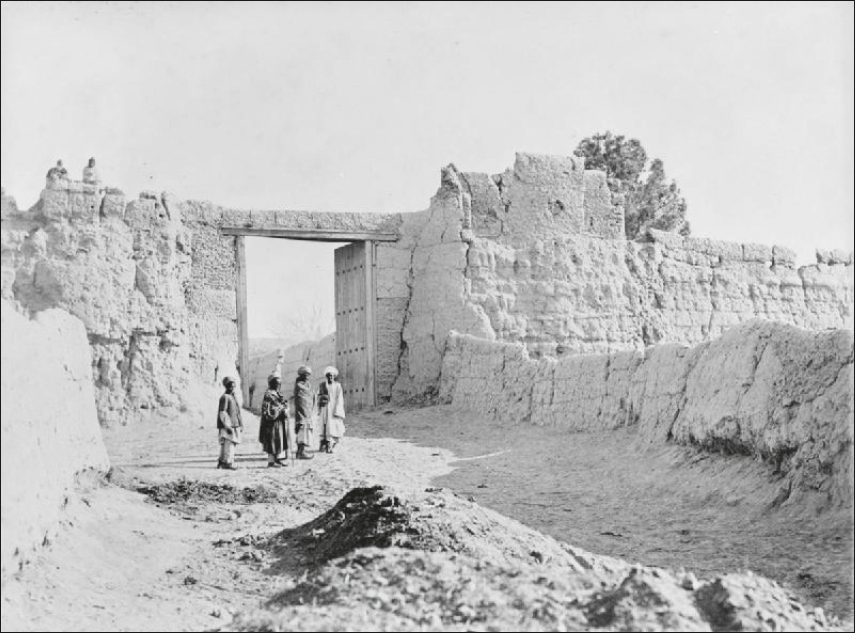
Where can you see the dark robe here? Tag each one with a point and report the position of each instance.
(274, 416)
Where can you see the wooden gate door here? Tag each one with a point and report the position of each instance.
(354, 323)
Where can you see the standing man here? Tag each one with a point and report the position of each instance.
(331, 400)
(90, 174)
(229, 425)
(304, 412)
(274, 421)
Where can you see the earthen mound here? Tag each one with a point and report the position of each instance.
(400, 589)
(411, 561)
(435, 520)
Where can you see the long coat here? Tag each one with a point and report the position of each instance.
(272, 433)
(332, 414)
(304, 411)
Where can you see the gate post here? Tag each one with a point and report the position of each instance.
(370, 326)
(242, 323)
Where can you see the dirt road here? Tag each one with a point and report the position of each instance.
(123, 563)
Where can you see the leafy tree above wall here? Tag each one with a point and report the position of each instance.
(649, 198)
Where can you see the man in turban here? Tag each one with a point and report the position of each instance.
(274, 423)
(90, 174)
(304, 412)
(229, 425)
(331, 400)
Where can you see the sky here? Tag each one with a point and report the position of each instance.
(357, 106)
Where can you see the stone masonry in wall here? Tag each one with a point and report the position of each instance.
(535, 255)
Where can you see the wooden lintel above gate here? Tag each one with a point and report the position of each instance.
(317, 235)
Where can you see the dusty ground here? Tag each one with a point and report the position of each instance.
(658, 505)
(123, 563)
(126, 564)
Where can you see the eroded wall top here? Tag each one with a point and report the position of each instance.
(541, 194)
(535, 255)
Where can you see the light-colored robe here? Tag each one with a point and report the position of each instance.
(332, 414)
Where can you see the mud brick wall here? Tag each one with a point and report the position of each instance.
(767, 389)
(535, 255)
(697, 288)
(154, 281)
(393, 285)
(211, 294)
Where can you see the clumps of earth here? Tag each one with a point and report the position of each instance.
(185, 491)
(204, 501)
(385, 560)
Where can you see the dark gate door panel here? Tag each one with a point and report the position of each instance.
(352, 324)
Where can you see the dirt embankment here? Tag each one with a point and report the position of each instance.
(763, 389)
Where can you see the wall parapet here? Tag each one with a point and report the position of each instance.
(697, 250)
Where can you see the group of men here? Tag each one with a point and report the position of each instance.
(285, 437)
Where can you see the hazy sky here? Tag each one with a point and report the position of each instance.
(355, 107)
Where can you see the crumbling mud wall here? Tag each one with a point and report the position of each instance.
(565, 294)
(126, 270)
(154, 281)
(763, 388)
(50, 431)
(536, 256)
